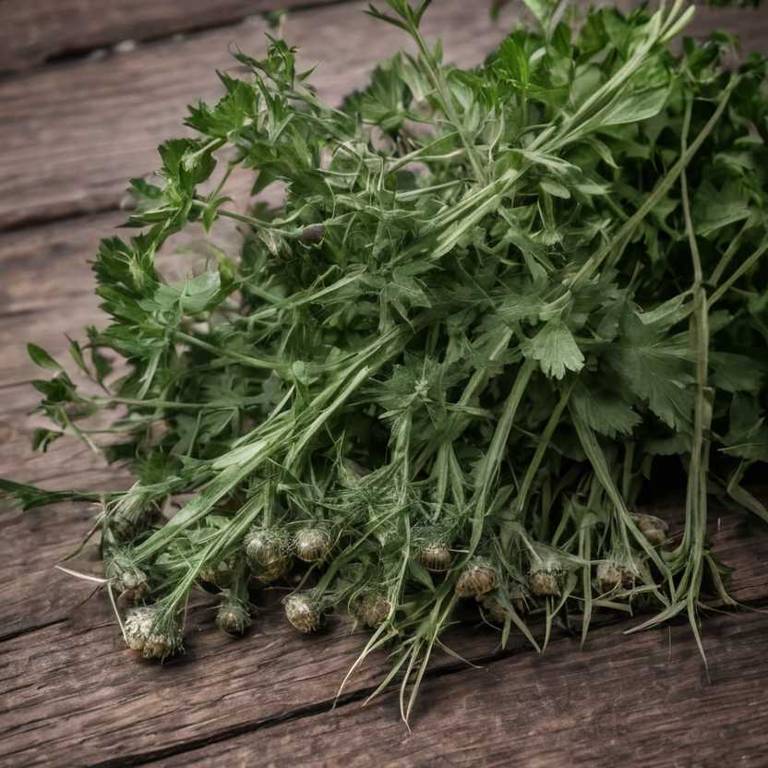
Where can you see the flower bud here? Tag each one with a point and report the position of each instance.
(233, 616)
(613, 575)
(653, 528)
(373, 609)
(477, 578)
(312, 544)
(435, 556)
(268, 553)
(303, 612)
(219, 574)
(544, 583)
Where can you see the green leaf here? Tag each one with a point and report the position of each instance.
(603, 411)
(656, 366)
(555, 189)
(714, 208)
(555, 349)
(41, 358)
(733, 372)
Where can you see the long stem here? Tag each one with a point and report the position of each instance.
(742, 269)
(665, 184)
(692, 546)
(435, 74)
(497, 450)
(542, 446)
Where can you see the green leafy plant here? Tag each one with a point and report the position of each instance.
(446, 367)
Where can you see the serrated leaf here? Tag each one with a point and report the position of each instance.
(603, 411)
(555, 349)
(656, 366)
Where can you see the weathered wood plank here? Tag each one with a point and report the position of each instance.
(223, 687)
(74, 695)
(73, 134)
(48, 265)
(35, 32)
(623, 701)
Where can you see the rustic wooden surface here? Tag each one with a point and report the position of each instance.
(71, 132)
(33, 33)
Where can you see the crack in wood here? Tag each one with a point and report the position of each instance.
(26, 630)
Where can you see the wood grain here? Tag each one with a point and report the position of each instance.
(72, 135)
(33, 32)
(72, 695)
(72, 687)
(637, 700)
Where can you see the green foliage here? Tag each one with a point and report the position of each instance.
(488, 300)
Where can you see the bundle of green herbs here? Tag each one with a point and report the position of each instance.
(444, 368)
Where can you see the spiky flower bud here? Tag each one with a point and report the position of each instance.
(130, 581)
(435, 556)
(653, 528)
(312, 544)
(275, 571)
(544, 583)
(613, 575)
(233, 616)
(303, 612)
(219, 574)
(145, 634)
(265, 546)
(268, 552)
(373, 609)
(477, 578)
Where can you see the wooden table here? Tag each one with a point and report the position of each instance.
(80, 112)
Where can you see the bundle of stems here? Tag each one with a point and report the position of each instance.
(493, 309)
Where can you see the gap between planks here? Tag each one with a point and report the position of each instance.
(623, 701)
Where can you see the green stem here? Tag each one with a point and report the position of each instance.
(730, 252)
(692, 546)
(742, 269)
(665, 184)
(497, 450)
(541, 448)
(249, 360)
(435, 74)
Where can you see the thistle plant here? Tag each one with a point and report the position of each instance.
(444, 369)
